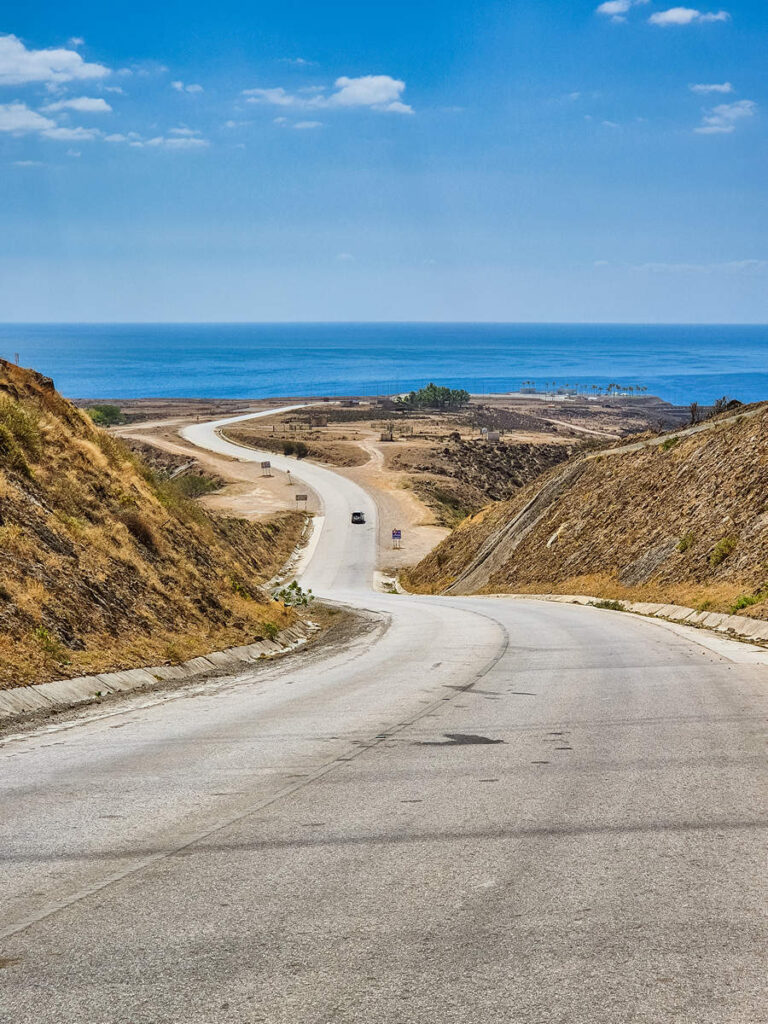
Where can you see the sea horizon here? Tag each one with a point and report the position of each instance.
(677, 362)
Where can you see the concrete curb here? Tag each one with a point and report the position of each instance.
(69, 693)
(737, 627)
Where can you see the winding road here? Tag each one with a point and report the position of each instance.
(471, 810)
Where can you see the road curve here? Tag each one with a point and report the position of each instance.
(473, 810)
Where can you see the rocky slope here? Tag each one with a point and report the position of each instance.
(684, 521)
(459, 477)
(104, 564)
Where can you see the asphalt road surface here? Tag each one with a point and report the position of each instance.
(471, 810)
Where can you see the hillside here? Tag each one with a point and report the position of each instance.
(684, 521)
(103, 563)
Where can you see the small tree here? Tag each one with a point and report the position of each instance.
(107, 415)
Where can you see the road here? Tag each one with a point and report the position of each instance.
(472, 810)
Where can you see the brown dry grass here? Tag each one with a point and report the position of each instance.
(647, 526)
(104, 565)
(334, 452)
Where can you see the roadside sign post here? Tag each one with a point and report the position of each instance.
(288, 474)
(397, 536)
(266, 469)
(301, 497)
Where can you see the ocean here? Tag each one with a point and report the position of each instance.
(679, 363)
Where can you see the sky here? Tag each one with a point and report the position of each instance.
(527, 160)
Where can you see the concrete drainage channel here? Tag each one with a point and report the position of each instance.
(22, 701)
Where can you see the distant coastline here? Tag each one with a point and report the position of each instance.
(678, 363)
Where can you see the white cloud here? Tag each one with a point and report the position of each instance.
(298, 62)
(617, 10)
(277, 97)
(19, 119)
(187, 132)
(27, 163)
(722, 119)
(373, 92)
(177, 142)
(685, 16)
(308, 124)
(19, 66)
(77, 41)
(378, 91)
(181, 87)
(71, 134)
(705, 90)
(83, 104)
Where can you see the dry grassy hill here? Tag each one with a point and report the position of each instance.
(105, 565)
(684, 521)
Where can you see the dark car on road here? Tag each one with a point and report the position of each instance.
(358, 517)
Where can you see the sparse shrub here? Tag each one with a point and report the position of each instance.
(292, 596)
(23, 424)
(114, 450)
(74, 524)
(173, 654)
(173, 499)
(614, 606)
(747, 600)
(194, 485)
(270, 630)
(5, 594)
(288, 448)
(669, 443)
(686, 542)
(51, 646)
(11, 455)
(721, 550)
(301, 450)
(240, 589)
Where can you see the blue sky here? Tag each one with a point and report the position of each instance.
(463, 160)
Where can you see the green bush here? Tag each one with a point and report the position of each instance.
(434, 397)
(106, 415)
(288, 447)
(293, 596)
(301, 450)
(270, 630)
(669, 443)
(686, 542)
(747, 600)
(614, 606)
(721, 550)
